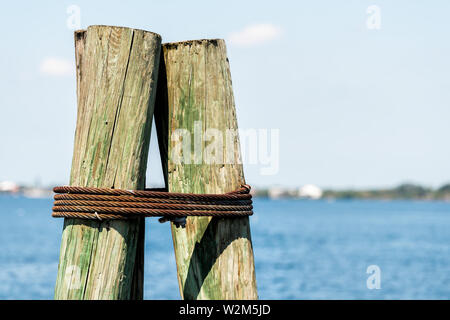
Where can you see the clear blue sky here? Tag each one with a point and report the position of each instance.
(355, 107)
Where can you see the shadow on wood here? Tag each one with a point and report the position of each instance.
(207, 252)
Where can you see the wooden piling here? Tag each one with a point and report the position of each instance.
(214, 256)
(117, 72)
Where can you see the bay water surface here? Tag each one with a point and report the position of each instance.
(303, 250)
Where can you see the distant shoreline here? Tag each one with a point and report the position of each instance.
(401, 192)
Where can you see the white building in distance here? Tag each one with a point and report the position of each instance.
(310, 191)
(8, 186)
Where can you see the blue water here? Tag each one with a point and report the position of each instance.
(303, 250)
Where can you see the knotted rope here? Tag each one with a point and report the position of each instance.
(113, 204)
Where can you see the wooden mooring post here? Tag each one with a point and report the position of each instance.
(117, 72)
(214, 256)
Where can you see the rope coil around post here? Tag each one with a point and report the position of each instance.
(114, 204)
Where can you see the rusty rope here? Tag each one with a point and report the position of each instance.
(110, 204)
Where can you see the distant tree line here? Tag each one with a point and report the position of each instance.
(403, 191)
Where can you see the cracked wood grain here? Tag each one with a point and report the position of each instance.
(214, 256)
(117, 72)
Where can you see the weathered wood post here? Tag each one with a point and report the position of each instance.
(214, 256)
(117, 72)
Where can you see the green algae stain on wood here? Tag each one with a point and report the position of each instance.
(117, 72)
(214, 256)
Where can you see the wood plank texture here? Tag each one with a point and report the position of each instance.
(214, 256)
(117, 72)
